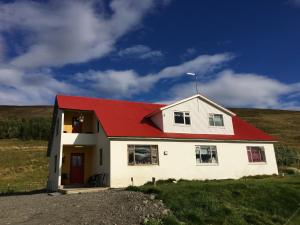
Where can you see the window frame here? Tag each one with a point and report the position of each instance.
(184, 118)
(153, 148)
(57, 127)
(101, 157)
(211, 148)
(263, 158)
(212, 115)
(55, 163)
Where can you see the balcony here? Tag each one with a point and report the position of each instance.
(80, 128)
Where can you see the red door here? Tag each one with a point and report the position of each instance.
(77, 168)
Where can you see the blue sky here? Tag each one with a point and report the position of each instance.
(246, 53)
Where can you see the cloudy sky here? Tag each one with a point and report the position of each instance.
(246, 53)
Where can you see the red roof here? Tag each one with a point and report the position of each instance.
(128, 119)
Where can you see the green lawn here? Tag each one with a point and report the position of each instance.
(270, 200)
(23, 165)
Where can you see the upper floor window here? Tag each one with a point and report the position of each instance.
(182, 118)
(216, 120)
(142, 154)
(206, 154)
(256, 154)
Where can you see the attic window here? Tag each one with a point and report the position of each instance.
(182, 118)
(216, 120)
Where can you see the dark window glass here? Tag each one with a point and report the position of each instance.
(206, 154)
(187, 119)
(100, 156)
(55, 163)
(179, 117)
(142, 154)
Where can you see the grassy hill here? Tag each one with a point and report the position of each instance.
(25, 111)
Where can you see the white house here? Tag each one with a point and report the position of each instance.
(130, 143)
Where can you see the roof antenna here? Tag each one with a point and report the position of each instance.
(196, 80)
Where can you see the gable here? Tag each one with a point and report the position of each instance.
(199, 111)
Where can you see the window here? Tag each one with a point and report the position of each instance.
(100, 156)
(182, 118)
(142, 154)
(55, 163)
(77, 160)
(57, 127)
(216, 120)
(206, 154)
(98, 126)
(256, 154)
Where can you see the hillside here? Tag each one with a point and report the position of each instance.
(25, 111)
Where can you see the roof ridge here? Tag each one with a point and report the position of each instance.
(110, 99)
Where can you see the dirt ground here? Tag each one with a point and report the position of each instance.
(105, 207)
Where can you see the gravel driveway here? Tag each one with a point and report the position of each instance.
(105, 207)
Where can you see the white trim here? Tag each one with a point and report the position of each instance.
(186, 139)
(203, 98)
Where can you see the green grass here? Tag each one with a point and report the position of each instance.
(246, 201)
(23, 165)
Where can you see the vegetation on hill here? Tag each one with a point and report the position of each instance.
(269, 200)
(25, 122)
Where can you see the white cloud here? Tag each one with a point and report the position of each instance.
(62, 32)
(242, 90)
(140, 52)
(128, 83)
(20, 88)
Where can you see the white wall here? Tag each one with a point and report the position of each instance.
(56, 150)
(104, 143)
(199, 113)
(181, 162)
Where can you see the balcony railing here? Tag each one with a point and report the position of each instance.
(79, 139)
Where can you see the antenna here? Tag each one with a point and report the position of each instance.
(196, 80)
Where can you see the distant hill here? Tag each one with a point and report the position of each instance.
(283, 124)
(7, 112)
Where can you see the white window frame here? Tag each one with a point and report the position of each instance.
(212, 115)
(248, 148)
(211, 148)
(184, 116)
(154, 152)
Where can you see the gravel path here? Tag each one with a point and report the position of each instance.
(105, 207)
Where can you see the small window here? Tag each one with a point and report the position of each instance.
(142, 154)
(100, 156)
(98, 126)
(206, 154)
(216, 120)
(182, 118)
(55, 163)
(256, 154)
(57, 127)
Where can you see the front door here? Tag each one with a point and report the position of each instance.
(77, 168)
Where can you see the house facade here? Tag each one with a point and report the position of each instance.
(126, 143)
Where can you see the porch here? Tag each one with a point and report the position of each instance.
(80, 167)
